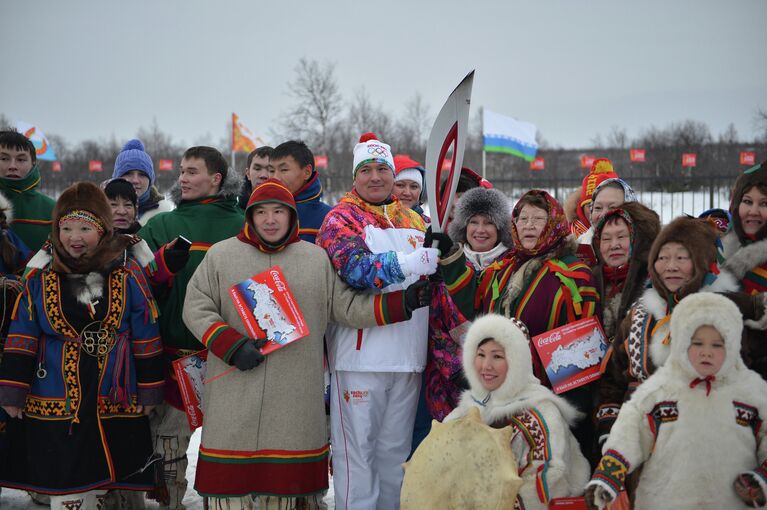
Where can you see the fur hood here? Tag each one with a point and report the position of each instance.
(6, 208)
(699, 237)
(230, 188)
(656, 305)
(645, 225)
(706, 309)
(489, 202)
(521, 390)
(89, 197)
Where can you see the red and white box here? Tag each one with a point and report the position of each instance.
(572, 354)
(268, 309)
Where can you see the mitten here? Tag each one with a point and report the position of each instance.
(422, 262)
(443, 241)
(749, 491)
(248, 355)
(597, 496)
(175, 260)
(418, 295)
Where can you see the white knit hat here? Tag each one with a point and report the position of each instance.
(370, 149)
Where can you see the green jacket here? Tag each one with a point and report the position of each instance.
(204, 222)
(32, 211)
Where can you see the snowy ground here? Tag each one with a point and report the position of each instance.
(18, 500)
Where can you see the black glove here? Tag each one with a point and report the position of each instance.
(248, 356)
(175, 260)
(418, 295)
(444, 243)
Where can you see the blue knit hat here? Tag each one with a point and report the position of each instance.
(134, 157)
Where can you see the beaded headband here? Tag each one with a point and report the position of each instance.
(86, 216)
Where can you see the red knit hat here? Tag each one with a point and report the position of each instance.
(601, 170)
(275, 192)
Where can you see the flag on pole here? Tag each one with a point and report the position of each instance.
(509, 135)
(243, 139)
(42, 147)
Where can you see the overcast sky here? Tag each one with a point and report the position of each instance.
(572, 67)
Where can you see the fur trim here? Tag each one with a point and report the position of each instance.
(229, 188)
(6, 206)
(490, 202)
(706, 309)
(41, 259)
(655, 304)
(515, 343)
(761, 323)
(570, 205)
(88, 287)
(746, 258)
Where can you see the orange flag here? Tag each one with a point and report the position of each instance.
(242, 138)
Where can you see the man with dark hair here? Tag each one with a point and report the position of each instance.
(19, 180)
(293, 163)
(206, 213)
(257, 170)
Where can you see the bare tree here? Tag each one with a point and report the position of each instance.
(318, 104)
(729, 135)
(760, 124)
(617, 138)
(365, 116)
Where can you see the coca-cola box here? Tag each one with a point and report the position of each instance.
(571, 354)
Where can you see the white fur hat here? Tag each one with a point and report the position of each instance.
(509, 333)
(370, 149)
(706, 309)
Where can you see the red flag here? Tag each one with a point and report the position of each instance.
(587, 161)
(748, 158)
(56, 167)
(637, 155)
(689, 159)
(166, 165)
(321, 161)
(537, 164)
(94, 165)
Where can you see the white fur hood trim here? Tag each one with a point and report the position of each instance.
(7, 207)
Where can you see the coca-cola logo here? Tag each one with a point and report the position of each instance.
(551, 339)
(277, 282)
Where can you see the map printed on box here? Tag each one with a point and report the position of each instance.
(190, 374)
(571, 354)
(268, 309)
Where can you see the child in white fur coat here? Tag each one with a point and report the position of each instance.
(695, 424)
(498, 365)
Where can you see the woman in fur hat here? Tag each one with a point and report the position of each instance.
(687, 466)
(622, 240)
(497, 365)
(82, 365)
(682, 261)
(480, 228)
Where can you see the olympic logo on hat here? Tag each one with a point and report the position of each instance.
(376, 150)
